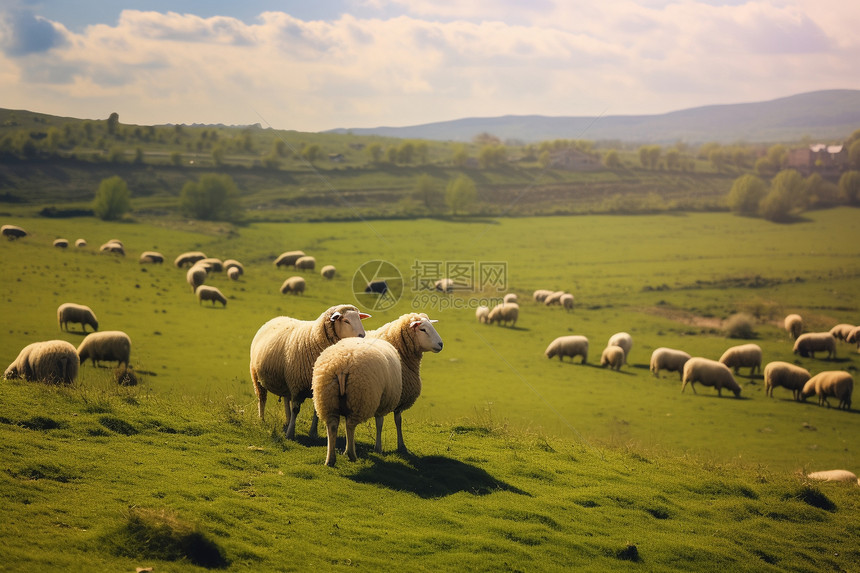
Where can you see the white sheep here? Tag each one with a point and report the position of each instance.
(444, 285)
(669, 359)
(572, 345)
(305, 263)
(283, 353)
(113, 246)
(288, 258)
(412, 334)
(294, 285)
(234, 264)
(854, 337)
(709, 373)
(205, 292)
(794, 325)
(624, 340)
(81, 243)
(106, 346)
(233, 273)
(188, 258)
(841, 331)
(328, 271)
(612, 356)
(554, 298)
(61, 243)
(835, 383)
(482, 313)
(195, 276)
(53, 361)
(12, 232)
(787, 375)
(359, 379)
(743, 355)
(541, 294)
(504, 313)
(835, 475)
(151, 257)
(511, 297)
(78, 314)
(566, 301)
(212, 264)
(809, 343)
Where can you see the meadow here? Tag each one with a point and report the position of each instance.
(555, 463)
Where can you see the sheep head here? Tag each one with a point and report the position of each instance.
(426, 337)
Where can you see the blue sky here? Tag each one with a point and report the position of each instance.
(312, 66)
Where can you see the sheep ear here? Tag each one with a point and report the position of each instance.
(433, 320)
(414, 323)
(363, 315)
(335, 316)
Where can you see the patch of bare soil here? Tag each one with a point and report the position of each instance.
(685, 317)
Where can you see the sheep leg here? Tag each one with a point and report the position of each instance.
(398, 422)
(350, 441)
(378, 447)
(331, 431)
(312, 433)
(291, 410)
(261, 393)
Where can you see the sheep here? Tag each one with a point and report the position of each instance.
(195, 276)
(233, 273)
(743, 355)
(835, 383)
(854, 337)
(53, 361)
(212, 264)
(288, 258)
(794, 325)
(305, 263)
(566, 301)
(709, 373)
(541, 294)
(77, 313)
(841, 331)
(205, 292)
(12, 232)
(188, 258)
(612, 356)
(295, 285)
(668, 359)
(81, 243)
(283, 353)
(107, 346)
(328, 271)
(359, 379)
(786, 375)
(809, 343)
(151, 257)
(622, 339)
(572, 345)
(835, 475)
(61, 243)
(113, 246)
(444, 285)
(412, 334)
(233, 263)
(482, 313)
(504, 313)
(511, 297)
(376, 287)
(554, 298)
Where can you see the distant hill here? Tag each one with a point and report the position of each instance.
(822, 115)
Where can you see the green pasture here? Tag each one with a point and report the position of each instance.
(668, 280)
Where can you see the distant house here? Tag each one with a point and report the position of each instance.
(573, 159)
(819, 158)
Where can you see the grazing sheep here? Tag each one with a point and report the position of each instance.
(151, 257)
(376, 287)
(81, 243)
(835, 383)
(359, 379)
(612, 356)
(113, 246)
(412, 335)
(622, 339)
(234, 264)
(841, 331)
(305, 263)
(573, 345)
(809, 343)
(283, 353)
(205, 292)
(794, 325)
(106, 346)
(188, 258)
(668, 359)
(854, 337)
(233, 273)
(444, 285)
(835, 475)
(709, 373)
(288, 258)
(295, 285)
(482, 313)
(554, 298)
(195, 276)
(504, 313)
(212, 264)
(61, 243)
(541, 294)
(511, 297)
(743, 355)
(78, 314)
(566, 301)
(53, 361)
(786, 375)
(328, 271)
(12, 232)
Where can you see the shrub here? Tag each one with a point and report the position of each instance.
(739, 325)
(113, 199)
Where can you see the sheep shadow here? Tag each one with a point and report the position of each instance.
(431, 477)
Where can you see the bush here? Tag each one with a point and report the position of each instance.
(113, 199)
(739, 325)
(213, 198)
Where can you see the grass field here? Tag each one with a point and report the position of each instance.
(579, 460)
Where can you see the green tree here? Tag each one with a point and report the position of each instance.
(787, 195)
(176, 158)
(460, 156)
(612, 160)
(429, 193)
(218, 154)
(214, 198)
(673, 159)
(374, 152)
(854, 153)
(492, 156)
(746, 194)
(849, 186)
(461, 194)
(279, 148)
(116, 154)
(544, 159)
(422, 152)
(112, 200)
(113, 123)
(405, 153)
(138, 155)
(649, 156)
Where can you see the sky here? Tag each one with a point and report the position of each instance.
(313, 66)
